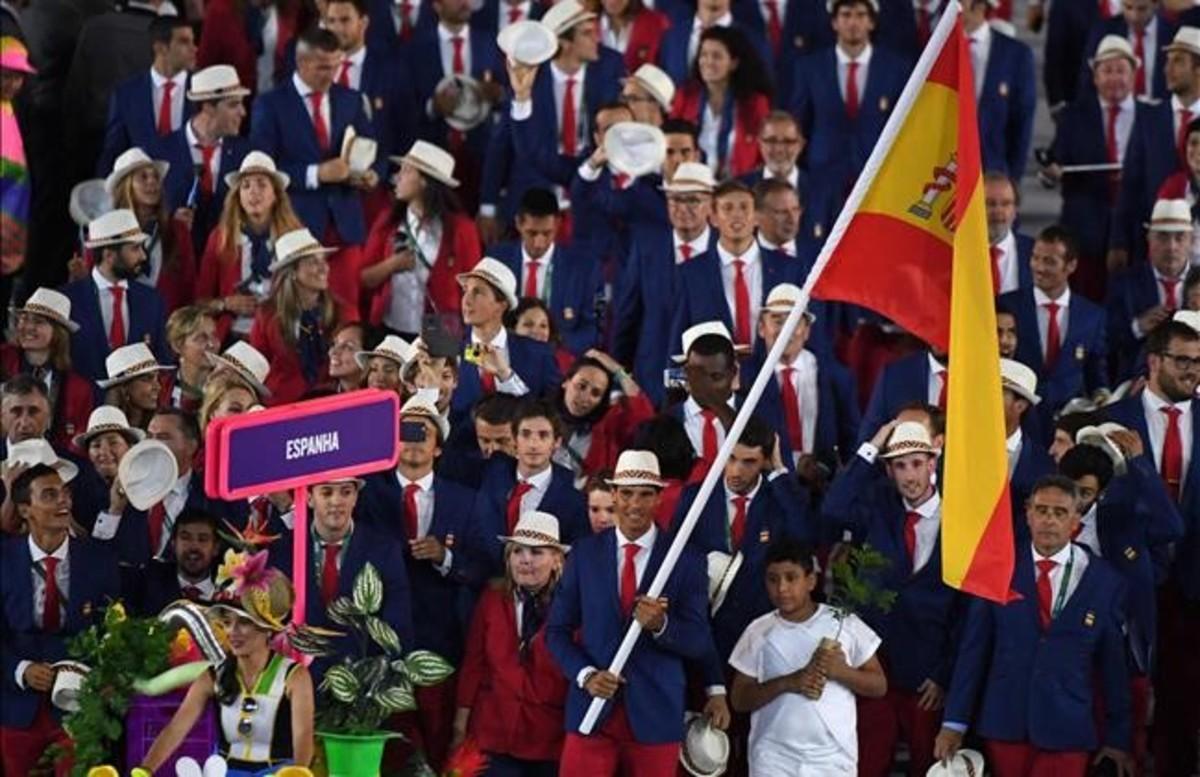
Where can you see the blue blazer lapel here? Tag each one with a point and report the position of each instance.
(21, 584)
(301, 118)
(91, 302)
(608, 572)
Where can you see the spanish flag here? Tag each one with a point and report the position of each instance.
(911, 243)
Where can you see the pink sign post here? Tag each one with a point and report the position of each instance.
(298, 445)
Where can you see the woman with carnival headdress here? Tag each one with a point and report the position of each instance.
(264, 699)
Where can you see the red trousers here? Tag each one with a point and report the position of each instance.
(613, 750)
(881, 723)
(1020, 759)
(1177, 689)
(22, 748)
(428, 729)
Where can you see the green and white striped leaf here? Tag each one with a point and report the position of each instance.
(342, 683)
(343, 611)
(397, 698)
(427, 668)
(368, 590)
(383, 634)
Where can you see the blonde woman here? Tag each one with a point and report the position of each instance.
(192, 337)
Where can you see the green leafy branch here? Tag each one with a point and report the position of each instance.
(855, 587)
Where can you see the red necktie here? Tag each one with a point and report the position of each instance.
(910, 535)
(1171, 461)
(456, 63)
(344, 76)
(319, 125)
(164, 109)
(741, 304)
(1170, 292)
(708, 439)
(569, 130)
(406, 27)
(774, 26)
(995, 253)
(514, 14)
(923, 28)
(207, 185)
(513, 511)
(738, 527)
(190, 592)
(1139, 51)
(531, 273)
(1044, 566)
(50, 614)
(1053, 338)
(488, 381)
(620, 181)
(852, 90)
(329, 572)
(791, 410)
(629, 578)
(1110, 132)
(686, 251)
(1105, 11)
(155, 520)
(411, 514)
(116, 330)
(1185, 118)
(945, 389)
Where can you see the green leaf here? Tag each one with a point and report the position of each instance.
(343, 611)
(383, 634)
(368, 590)
(397, 698)
(342, 683)
(427, 668)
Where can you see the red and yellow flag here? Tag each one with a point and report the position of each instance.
(912, 244)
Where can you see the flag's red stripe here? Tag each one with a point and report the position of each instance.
(991, 567)
(895, 269)
(945, 67)
(970, 168)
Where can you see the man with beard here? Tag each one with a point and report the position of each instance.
(189, 575)
(111, 310)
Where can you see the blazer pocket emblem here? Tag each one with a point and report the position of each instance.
(884, 104)
(764, 536)
(379, 103)
(1003, 89)
(1130, 553)
(569, 313)
(449, 543)
(1080, 353)
(798, 41)
(1089, 619)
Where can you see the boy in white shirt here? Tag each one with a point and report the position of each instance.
(801, 695)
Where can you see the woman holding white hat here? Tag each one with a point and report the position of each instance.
(416, 249)
(42, 349)
(508, 673)
(234, 271)
(632, 30)
(136, 183)
(108, 437)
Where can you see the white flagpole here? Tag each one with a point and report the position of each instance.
(866, 178)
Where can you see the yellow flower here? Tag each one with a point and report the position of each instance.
(233, 559)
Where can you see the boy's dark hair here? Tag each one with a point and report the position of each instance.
(538, 203)
(837, 4)
(359, 5)
(191, 516)
(1087, 460)
(162, 28)
(681, 127)
(536, 408)
(758, 434)
(786, 549)
(1059, 234)
(495, 409)
(187, 421)
(22, 487)
(732, 186)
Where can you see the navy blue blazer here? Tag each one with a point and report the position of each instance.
(282, 127)
(1007, 103)
(586, 626)
(367, 546)
(1039, 687)
(1067, 31)
(1130, 413)
(575, 284)
(181, 178)
(1134, 291)
(1116, 25)
(901, 382)
(604, 216)
(131, 544)
(93, 585)
(792, 44)
(440, 603)
(1082, 366)
(382, 33)
(673, 51)
(132, 120)
(1024, 251)
(423, 62)
(779, 509)
(1150, 158)
(919, 632)
(530, 359)
(391, 99)
(157, 586)
(487, 17)
(89, 346)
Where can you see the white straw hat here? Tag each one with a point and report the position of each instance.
(249, 364)
(657, 83)
(68, 684)
(637, 468)
(431, 160)
(392, 347)
(528, 42)
(1098, 436)
(634, 148)
(1186, 39)
(691, 178)
(104, 419)
(257, 162)
(129, 362)
(908, 437)
(722, 569)
(37, 450)
(705, 749)
(216, 83)
(50, 304)
(116, 227)
(1115, 47)
(1019, 379)
(147, 472)
(1170, 216)
(1189, 317)
(695, 332)
(564, 15)
(132, 160)
(495, 273)
(783, 298)
(291, 247)
(536, 529)
(964, 763)
(424, 405)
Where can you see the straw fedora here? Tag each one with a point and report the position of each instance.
(1170, 216)
(89, 201)
(50, 304)
(691, 178)
(783, 298)
(249, 589)
(1098, 436)
(657, 83)
(392, 347)
(104, 419)
(536, 529)
(68, 684)
(14, 56)
(1186, 39)
(496, 274)
(471, 108)
(216, 82)
(1019, 379)
(36, 451)
(257, 162)
(964, 763)
(695, 332)
(424, 405)
(1189, 317)
(873, 3)
(705, 750)
(114, 228)
(1115, 47)
(147, 472)
(637, 468)
(291, 247)
(564, 15)
(528, 42)
(908, 437)
(248, 363)
(430, 160)
(129, 162)
(129, 362)
(722, 569)
(634, 148)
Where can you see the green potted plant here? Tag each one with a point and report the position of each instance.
(360, 693)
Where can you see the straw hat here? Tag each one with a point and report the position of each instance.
(908, 437)
(496, 274)
(1098, 436)
(1115, 47)
(104, 419)
(114, 228)
(424, 405)
(565, 14)
(536, 529)
(291, 247)
(705, 750)
(36, 451)
(50, 304)
(637, 468)
(129, 362)
(964, 763)
(430, 160)
(873, 3)
(471, 106)
(393, 347)
(691, 178)
(1189, 317)
(147, 472)
(215, 83)
(129, 162)
(257, 162)
(89, 200)
(252, 590)
(695, 332)
(1186, 39)
(783, 298)
(249, 364)
(68, 683)
(14, 56)
(722, 569)
(528, 42)
(657, 83)
(1020, 380)
(634, 148)
(1170, 216)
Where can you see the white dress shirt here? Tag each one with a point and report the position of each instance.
(698, 28)
(1076, 558)
(1009, 262)
(425, 504)
(214, 163)
(1156, 428)
(1012, 446)
(804, 381)
(355, 72)
(617, 40)
(788, 248)
(843, 70)
(398, 16)
(311, 181)
(540, 481)
(264, 66)
(1149, 51)
(793, 177)
(158, 83)
(62, 575)
(1124, 123)
(731, 506)
(514, 385)
(407, 306)
(205, 588)
(502, 9)
(105, 295)
(544, 272)
(699, 245)
(1040, 300)
(927, 528)
(693, 424)
(1089, 535)
(446, 46)
(1176, 116)
(560, 94)
(937, 378)
(980, 44)
(753, 274)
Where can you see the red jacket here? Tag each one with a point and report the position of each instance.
(517, 708)
(177, 280)
(614, 432)
(1175, 187)
(647, 32)
(225, 41)
(74, 402)
(219, 275)
(286, 379)
(459, 251)
(748, 117)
